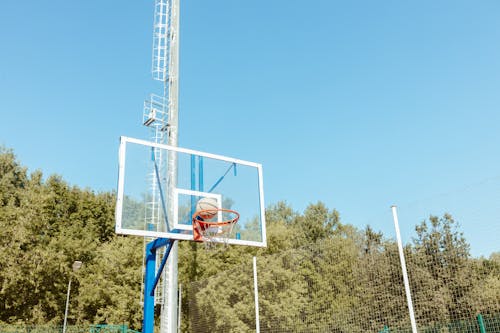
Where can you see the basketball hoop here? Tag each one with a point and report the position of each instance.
(213, 226)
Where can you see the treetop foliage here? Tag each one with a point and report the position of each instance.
(45, 225)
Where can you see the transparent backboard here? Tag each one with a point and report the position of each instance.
(159, 187)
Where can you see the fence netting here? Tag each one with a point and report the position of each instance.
(353, 283)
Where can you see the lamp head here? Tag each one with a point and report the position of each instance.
(77, 265)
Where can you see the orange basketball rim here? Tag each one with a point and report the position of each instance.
(208, 230)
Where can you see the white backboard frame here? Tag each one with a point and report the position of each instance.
(182, 231)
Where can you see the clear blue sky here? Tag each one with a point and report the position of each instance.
(359, 104)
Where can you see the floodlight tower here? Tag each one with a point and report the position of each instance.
(160, 114)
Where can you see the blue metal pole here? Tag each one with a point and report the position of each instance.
(193, 183)
(200, 173)
(149, 298)
(151, 280)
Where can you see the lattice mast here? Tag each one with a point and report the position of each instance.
(161, 116)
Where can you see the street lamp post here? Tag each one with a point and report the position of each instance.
(76, 266)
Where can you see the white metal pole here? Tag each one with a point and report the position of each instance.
(403, 268)
(67, 306)
(179, 309)
(168, 320)
(256, 293)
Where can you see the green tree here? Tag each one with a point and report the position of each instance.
(484, 297)
(110, 285)
(380, 279)
(12, 178)
(44, 227)
(282, 232)
(441, 270)
(318, 222)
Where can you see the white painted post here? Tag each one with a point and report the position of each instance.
(403, 268)
(76, 266)
(67, 306)
(256, 293)
(179, 309)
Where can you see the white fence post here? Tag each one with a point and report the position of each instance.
(403, 268)
(256, 295)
